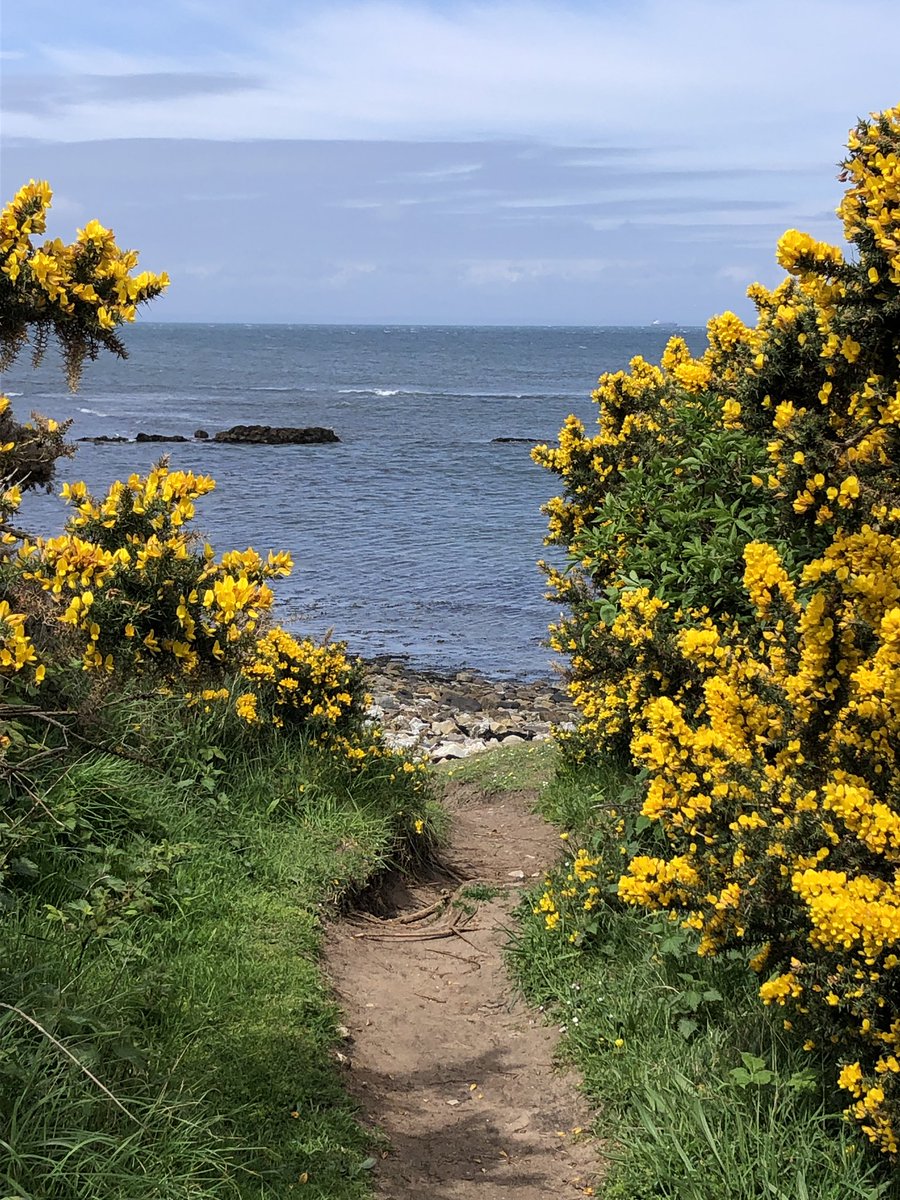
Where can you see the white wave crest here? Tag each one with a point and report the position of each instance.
(374, 391)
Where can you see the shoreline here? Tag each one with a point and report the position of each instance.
(454, 714)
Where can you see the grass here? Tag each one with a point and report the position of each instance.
(700, 1093)
(167, 937)
(506, 769)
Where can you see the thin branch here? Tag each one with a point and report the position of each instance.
(21, 764)
(858, 437)
(77, 1061)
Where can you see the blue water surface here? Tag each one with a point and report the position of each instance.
(417, 534)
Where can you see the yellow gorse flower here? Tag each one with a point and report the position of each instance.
(766, 713)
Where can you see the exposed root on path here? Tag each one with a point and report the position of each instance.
(445, 901)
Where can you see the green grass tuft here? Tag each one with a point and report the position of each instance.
(505, 769)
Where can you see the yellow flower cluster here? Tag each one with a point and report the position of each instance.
(17, 652)
(760, 690)
(301, 683)
(129, 576)
(83, 290)
(568, 902)
(870, 208)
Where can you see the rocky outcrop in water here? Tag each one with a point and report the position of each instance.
(453, 716)
(238, 435)
(276, 435)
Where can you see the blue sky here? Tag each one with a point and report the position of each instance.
(487, 162)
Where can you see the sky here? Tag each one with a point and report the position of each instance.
(510, 162)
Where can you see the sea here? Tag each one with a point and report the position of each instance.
(416, 535)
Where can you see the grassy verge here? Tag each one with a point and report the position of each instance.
(700, 1092)
(166, 1032)
(506, 769)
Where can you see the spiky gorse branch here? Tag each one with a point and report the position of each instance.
(77, 293)
(734, 621)
(129, 576)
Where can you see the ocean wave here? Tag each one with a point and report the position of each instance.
(93, 412)
(13, 394)
(439, 394)
(374, 391)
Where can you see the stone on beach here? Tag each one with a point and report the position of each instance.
(457, 715)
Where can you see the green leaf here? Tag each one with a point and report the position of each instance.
(687, 1027)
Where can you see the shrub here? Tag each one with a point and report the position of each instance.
(78, 293)
(734, 617)
(302, 683)
(137, 585)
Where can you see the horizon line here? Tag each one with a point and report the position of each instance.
(662, 325)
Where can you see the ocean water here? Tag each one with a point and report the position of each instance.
(417, 534)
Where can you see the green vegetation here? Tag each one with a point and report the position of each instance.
(700, 1093)
(186, 790)
(185, 793)
(168, 1032)
(506, 769)
(733, 623)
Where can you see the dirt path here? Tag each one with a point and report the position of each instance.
(446, 1060)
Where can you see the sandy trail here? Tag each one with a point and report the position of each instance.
(447, 1061)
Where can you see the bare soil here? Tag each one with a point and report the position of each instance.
(447, 1062)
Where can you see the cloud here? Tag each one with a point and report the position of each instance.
(392, 202)
(200, 270)
(348, 272)
(55, 95)
(491, 272)
(456, 171)
(642, 204)
(736, 273)
(687, 80)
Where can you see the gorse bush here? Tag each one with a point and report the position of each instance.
(129, 575)
(77, 293)
(301, 683)
(128, 587)
(733, 598)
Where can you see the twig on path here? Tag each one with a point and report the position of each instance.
(369, 918)
(474, 929)
(412, 936)
(472, 962)
(454, 872)
(445, 900)
(406, 919)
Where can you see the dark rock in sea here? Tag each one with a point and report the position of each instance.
(102, 438)
(526, 441)
(160, 437)
(272, 435)
(201, 435)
